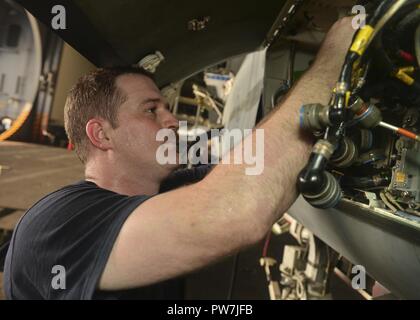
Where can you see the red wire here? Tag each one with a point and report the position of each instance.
(406, 56)
(266, 243)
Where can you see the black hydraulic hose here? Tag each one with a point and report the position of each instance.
(408, 7)
(312, 179)
(380, 10)
(364, 182)
(407, 23)
(346, 71)
(398, 29)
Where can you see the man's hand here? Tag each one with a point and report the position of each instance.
(187, 228)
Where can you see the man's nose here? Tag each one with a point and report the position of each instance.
(169, 121)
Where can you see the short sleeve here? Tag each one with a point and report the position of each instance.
(75, 229)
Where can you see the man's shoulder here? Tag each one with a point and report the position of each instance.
(56, 200)
(74, 188)
(76, 227)
(82, 201)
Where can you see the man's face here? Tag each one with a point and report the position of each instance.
(140, 117)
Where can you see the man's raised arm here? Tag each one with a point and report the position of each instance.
(185, 229)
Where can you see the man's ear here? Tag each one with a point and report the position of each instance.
(97, 132)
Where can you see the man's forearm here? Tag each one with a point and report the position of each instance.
(263, 198)
(287, 150)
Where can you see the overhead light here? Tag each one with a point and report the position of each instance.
(151, 61)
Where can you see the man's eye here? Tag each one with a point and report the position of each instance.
(151, 110)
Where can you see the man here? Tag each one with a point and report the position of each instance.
(114, 235)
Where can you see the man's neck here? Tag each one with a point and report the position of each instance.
(122, 181)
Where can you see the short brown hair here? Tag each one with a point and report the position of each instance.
(94, 95)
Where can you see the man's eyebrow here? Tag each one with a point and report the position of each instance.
(157, 100)
(150, 100)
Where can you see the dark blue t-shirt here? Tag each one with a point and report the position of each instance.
(71, 232)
